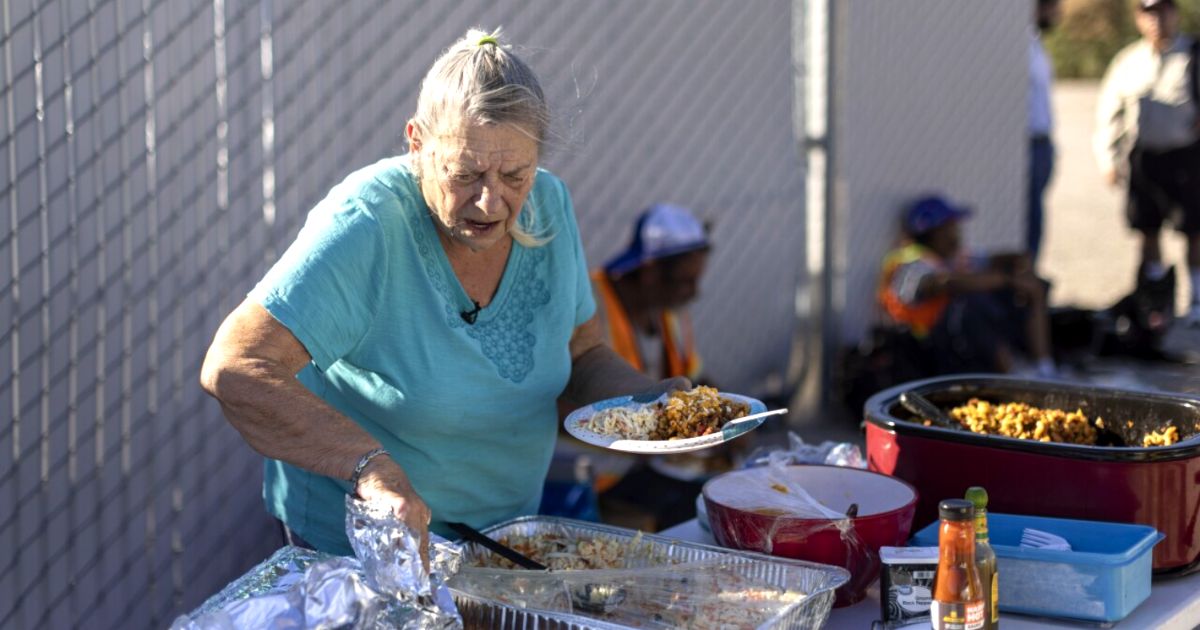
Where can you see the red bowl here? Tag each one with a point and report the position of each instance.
(765, 510)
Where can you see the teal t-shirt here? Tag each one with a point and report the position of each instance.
(468, 410)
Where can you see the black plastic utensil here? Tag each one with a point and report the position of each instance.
(476, 536)
(922, 408)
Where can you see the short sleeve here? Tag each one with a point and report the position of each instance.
(326, 286)
(585, 300)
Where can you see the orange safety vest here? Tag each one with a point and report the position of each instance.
(922, 316)
(679, 347)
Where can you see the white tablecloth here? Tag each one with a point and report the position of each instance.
(1174, 603)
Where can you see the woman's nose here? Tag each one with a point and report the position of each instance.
(489, 198)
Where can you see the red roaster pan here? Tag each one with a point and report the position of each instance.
(1156, 486)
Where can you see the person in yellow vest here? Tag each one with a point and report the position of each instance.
(642, 293)
(970, 313)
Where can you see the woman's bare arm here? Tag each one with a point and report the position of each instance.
(251, 370)
(598, 373)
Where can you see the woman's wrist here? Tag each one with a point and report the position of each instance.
(361, 466)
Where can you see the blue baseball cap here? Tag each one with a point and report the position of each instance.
(931, 212)
(661, 231)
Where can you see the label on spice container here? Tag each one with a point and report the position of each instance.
(906, 582)
(957, 615)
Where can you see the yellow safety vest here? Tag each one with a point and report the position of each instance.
(922, 316)
(679, 347)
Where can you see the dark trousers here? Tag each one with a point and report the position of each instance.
(972, 330)
(1165, 186)
(1041, 167)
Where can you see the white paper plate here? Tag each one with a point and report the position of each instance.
(576, 425)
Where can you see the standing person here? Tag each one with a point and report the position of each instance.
(409, 346)
(1148, 135)
(1041, 145)
(644, 290)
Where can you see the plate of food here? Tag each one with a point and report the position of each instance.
(676, 422)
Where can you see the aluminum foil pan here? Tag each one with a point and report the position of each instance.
(815, 582)
(286, 566)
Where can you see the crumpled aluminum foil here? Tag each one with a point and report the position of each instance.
(330, 594)
(384, 587)
(391, 559)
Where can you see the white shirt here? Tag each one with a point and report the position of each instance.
(1145, 101)
(1041, 74)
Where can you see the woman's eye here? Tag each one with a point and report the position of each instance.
(464, 178)
(515, 180)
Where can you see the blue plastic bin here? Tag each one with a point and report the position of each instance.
(1103, 578)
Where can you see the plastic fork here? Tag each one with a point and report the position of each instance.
(1037, 539)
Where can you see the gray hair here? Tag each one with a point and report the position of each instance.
(479, 80)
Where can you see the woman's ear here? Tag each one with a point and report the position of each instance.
(413, 133)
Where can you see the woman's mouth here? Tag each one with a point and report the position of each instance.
(480, 227)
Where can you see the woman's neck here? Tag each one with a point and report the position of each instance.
(478, 271)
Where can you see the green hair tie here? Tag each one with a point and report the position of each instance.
(487, 39)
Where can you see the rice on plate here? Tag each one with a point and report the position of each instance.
(683, 414)
(631, 423)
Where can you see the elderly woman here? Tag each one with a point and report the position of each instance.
(409, 346)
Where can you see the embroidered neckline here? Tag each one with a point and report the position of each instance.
(503, 328)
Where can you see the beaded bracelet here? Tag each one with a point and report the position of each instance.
(362, 464)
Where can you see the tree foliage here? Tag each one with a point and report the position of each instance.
(1092, 31)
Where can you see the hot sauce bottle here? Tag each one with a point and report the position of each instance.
(985, 559)
(958, 600)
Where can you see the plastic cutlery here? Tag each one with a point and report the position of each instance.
(1037, 539)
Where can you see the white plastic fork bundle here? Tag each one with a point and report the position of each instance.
(1037, 539)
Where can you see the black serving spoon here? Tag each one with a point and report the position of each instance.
(922, 408)
(595, 598)
(476, 536)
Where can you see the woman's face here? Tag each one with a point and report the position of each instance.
(475, 179)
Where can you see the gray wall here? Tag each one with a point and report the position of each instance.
(159, 154)
(930, 96)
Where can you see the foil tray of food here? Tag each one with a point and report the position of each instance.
(608, 577)
(601, 578)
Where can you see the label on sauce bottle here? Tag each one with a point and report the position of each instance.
(995, 607)
(957, 615)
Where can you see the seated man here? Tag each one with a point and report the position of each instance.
(641, 294)
(969, 313)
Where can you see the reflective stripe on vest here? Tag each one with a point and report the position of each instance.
(922, 316)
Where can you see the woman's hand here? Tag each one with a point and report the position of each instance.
(384, 482)
(668, 385)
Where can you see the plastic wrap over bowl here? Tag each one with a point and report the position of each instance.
(800, 512)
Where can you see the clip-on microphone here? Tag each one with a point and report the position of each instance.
(469, 316)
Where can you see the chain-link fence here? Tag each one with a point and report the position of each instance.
(159, 153)
(931, 98)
